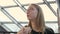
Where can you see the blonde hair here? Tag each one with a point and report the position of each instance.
(40, 18)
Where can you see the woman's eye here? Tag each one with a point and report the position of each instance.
(31, 9)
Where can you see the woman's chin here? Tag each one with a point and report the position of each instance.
(29, 18)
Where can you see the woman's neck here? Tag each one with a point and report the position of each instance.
(35, 27)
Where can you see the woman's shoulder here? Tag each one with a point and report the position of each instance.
(49, 30)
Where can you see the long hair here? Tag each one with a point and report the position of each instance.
(40, 19)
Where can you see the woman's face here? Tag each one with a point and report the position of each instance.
(32, 12)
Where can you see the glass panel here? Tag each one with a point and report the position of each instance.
(6, 2)
(48, 15)
(50, 0)
(54, 26)
(26, 7)
(54, 6)
(12, 27)
(30, 1)
(18, 14)
(3, 17)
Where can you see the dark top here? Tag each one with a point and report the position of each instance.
(47, 31)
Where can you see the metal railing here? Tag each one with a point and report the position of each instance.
(8, 32)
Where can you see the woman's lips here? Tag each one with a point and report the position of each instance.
(28, 14)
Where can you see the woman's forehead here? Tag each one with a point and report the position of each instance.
(31, 6)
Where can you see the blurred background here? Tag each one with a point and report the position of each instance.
(13, 14)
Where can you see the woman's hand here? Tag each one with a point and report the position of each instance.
(24, 30)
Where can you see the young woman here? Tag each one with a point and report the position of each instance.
(36, 22)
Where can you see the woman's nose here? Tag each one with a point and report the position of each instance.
(28, 11)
